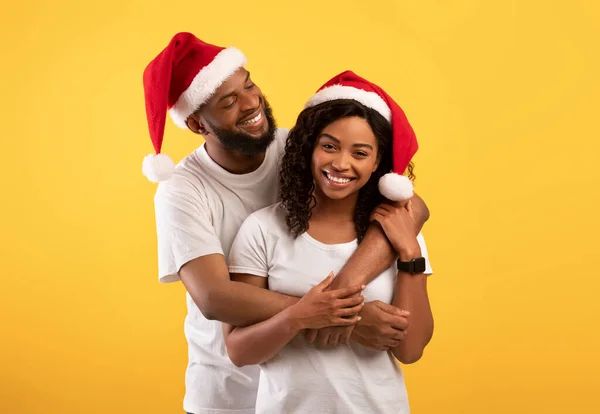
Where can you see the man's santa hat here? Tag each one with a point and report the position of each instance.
(180, 79)
(347, 85)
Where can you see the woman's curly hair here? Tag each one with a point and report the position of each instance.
(296, 183)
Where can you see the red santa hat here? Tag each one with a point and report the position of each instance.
(347, 85)
(180, 79)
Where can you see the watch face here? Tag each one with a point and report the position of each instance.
(419, 265)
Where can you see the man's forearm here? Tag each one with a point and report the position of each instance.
(373, 256)
(241, 304)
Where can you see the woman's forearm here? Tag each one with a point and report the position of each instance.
(411, 295)
(258, 343)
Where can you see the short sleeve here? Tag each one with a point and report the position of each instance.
(183, 226)
(424, 253)
(249, 250)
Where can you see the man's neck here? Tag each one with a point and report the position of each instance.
(235, 162)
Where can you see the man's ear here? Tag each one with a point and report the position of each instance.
(195, 125)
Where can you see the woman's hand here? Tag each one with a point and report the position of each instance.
(400, 227)
(320, 308)
(382, 326)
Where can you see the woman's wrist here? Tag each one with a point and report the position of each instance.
(291, 321)
(407, 253)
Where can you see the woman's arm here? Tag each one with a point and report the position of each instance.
(411, 290)
(258, 343)
(411, 295)
(372, 257)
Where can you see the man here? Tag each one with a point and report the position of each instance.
(201, 204)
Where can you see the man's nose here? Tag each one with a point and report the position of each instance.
(249, 102)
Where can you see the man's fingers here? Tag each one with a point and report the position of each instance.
(347, 291)
(322, 339)
(377, 216)
(346, 321)
(387, 207)
(345, 336)
(334, 339)
(310, 335)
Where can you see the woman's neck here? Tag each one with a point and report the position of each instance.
(335, 211)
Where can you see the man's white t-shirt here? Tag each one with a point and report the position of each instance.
(301, 378)
(198, 212)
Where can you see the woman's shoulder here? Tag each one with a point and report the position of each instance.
(270, 219)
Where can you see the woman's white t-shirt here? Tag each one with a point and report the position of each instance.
(302, 378)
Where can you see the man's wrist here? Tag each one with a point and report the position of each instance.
(346, 279)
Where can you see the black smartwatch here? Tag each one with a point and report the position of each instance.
(415, 266)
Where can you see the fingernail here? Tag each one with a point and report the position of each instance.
(359, 318)
(363, 287)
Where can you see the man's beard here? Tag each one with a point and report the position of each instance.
(244, 143)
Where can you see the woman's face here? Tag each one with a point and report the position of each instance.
(345, 155)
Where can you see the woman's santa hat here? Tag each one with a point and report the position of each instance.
(347, 85)
(180, 79)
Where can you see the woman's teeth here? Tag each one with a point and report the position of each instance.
(338, 180)
(253, 120)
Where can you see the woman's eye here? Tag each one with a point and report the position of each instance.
(328, 146)
(362, 154)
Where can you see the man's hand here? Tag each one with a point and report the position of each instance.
(400, 228)
(329, 337)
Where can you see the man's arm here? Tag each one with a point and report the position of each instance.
(375, 254)
(260, 342)
(207, 280)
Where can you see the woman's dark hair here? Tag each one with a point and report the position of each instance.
(296, 180)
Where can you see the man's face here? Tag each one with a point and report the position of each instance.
(238, 115)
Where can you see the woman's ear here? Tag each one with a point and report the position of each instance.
(375, 167)
(376, 164)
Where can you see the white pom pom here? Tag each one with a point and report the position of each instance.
(395, 187)
(158, 167)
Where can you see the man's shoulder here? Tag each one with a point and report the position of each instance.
(280, 138)
(186, 180)
(282, 133)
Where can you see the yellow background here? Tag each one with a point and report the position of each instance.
(503, 97)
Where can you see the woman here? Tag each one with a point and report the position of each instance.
(349, 137)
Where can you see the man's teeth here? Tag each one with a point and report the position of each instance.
(253, 120)
(338, 180)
